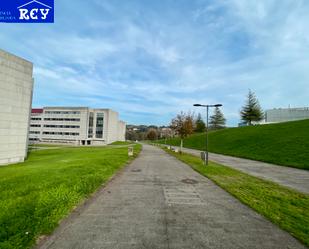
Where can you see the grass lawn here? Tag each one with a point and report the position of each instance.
(283, 144)
(286, 208)
(121, 143)
(37, 194)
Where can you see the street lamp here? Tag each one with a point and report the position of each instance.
(207, 108)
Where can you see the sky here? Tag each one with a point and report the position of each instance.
(150, 60)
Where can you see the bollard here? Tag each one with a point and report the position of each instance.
(203, 156)
(130, 151)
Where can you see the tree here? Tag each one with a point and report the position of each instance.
(152, 134)
(183, 125)
(217, 120)
(199, 124)
(252, 110)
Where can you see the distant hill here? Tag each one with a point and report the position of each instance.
(283, 143)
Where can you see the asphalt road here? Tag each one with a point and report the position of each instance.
(159, 202)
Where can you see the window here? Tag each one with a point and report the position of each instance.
(90, 127)
(36, 119)
(35, 125)
(62, 126)
(34, 132)
(62, 119)
(99, 125)
(62, 112)
(61, 133)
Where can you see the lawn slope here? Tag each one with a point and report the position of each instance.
(284, 143)
(37, 194)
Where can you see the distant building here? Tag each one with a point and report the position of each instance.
(76, 125)
(166, 132)
(16, 84)
(286, 114)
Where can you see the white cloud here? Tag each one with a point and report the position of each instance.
(137, 60)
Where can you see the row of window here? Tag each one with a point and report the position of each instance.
(36, 118)
(35, 125)
(61, 133)
(62, 119)
(62, 126)
(62, 112)
(99, 125)
(34, 132)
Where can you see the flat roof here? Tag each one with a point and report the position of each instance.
(3, 52)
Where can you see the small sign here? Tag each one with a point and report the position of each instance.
(130, 151)
(25, 11)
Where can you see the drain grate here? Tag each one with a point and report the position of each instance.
(189, 181)
(136, 170)
(182, 195)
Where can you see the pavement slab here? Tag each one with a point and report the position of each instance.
(159, 202)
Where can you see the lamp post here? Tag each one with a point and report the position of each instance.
(207, 110)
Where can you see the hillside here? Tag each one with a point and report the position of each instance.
(284, 143)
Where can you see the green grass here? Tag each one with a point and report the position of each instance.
(285, 207)
(37, 194)
(284, 144)
(121, 143)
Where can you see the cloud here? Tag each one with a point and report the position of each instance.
(150, 61)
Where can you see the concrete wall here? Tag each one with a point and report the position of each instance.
(121, 131)
(16, 86)
(112, 126)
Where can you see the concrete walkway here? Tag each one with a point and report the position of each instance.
(297, 179)
(153, 204)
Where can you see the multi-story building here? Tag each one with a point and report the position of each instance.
(16, 85)
(76, 125)
(286, 114)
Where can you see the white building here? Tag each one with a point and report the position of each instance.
(76, 125)
(16, 85)
(286, 114)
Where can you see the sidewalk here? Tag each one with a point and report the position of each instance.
(159, 202)
(296, 179)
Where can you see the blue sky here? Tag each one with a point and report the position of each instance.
(152, 59)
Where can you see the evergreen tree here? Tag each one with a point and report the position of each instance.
(199, 124)
(217, 120)
(252, 110)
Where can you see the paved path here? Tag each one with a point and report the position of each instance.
(297, 179)
(148, 206)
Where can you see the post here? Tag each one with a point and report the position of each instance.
(207, 109)
(206, 158)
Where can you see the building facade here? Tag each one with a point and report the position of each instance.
(286, 114)
(16, 86)
(76, 125)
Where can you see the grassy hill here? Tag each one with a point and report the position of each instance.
(284, 143)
